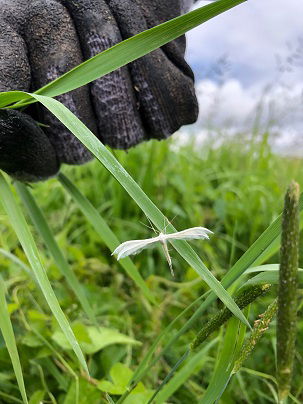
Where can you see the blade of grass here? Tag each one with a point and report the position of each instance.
(273, 247)
(268, 274)
(148, 207)
(271, 277)
(249, 258)
(17, 261)
(127, 51)
(42, 227)
(192, 366)
(10, 341)
(105, 233)
(25, 237)
(9, 398)
(269, 251)
(168, 377)
(224, 367)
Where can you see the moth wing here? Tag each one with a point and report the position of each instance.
(190, 234)
(133, 247)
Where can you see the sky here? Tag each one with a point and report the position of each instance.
(251, 59)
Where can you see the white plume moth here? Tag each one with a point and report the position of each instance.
(133, 247)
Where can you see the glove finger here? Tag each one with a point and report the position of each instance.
(115, 104)
(53, 50)
(14, 66)
(164, 82)
(26, 152)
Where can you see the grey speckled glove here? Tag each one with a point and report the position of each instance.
(42, 39)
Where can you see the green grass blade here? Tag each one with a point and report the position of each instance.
(136, 193)
(17, 261)
(10, 341)
(262, 268)
(25, 237)
(193, 365)
(268, 274)
(105, 233)
(224, 367)
(169, 375)
(269, 251)
(128, 50)
(9, 97)
(42, 227)
(273, 248)
(253, 254)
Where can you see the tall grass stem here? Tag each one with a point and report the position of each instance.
(287, 293)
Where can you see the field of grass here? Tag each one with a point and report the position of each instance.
(236, 190)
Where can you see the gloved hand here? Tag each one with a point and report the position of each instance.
(42, 39)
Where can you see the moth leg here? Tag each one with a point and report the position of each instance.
(168, 257)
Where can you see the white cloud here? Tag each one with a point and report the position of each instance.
(246, 88)
(231, 108)
(234, 103)
(251, 34)
(220, 105)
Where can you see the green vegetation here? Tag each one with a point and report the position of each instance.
(236, 190)
(80, 327)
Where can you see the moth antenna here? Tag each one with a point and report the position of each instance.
(146, 225)
(151, 224)
(171, 222)
(168, 223)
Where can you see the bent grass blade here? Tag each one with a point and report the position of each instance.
(148, 207)
(42, 227)
(10, 341)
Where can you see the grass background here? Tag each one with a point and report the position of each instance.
(235, 189)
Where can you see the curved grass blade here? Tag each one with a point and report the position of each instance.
(148, 207)
(42, 227)
(268, 274)
(25, 237)
(126, 51)
(10, 342)
(17, 261)
(264, 277)
(105, 233)
(224, 367)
